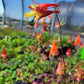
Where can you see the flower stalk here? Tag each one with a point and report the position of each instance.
(60, 34)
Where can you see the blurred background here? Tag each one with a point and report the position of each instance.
(72, 13)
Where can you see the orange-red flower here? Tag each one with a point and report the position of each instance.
(61, 67)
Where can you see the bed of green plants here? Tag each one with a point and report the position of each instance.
(26, 66)
(20, 58)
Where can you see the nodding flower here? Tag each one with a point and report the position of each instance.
(38, 16)
(61, 67)
(4, 53)
(40, 10)
(45, 6)
(68, 53)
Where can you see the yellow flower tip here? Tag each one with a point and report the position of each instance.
(30, 14)
(26, 15)
(33, 6)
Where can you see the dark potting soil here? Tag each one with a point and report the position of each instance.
(20, 82)
(64, 50)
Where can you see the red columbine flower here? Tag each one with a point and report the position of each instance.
(68, 53)
(61, 67)
(46, 13)
(45, 6)
(4, 54)
(40, 10)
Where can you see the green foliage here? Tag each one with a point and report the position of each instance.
(20, 57)
(28, 63)
(73, 61)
